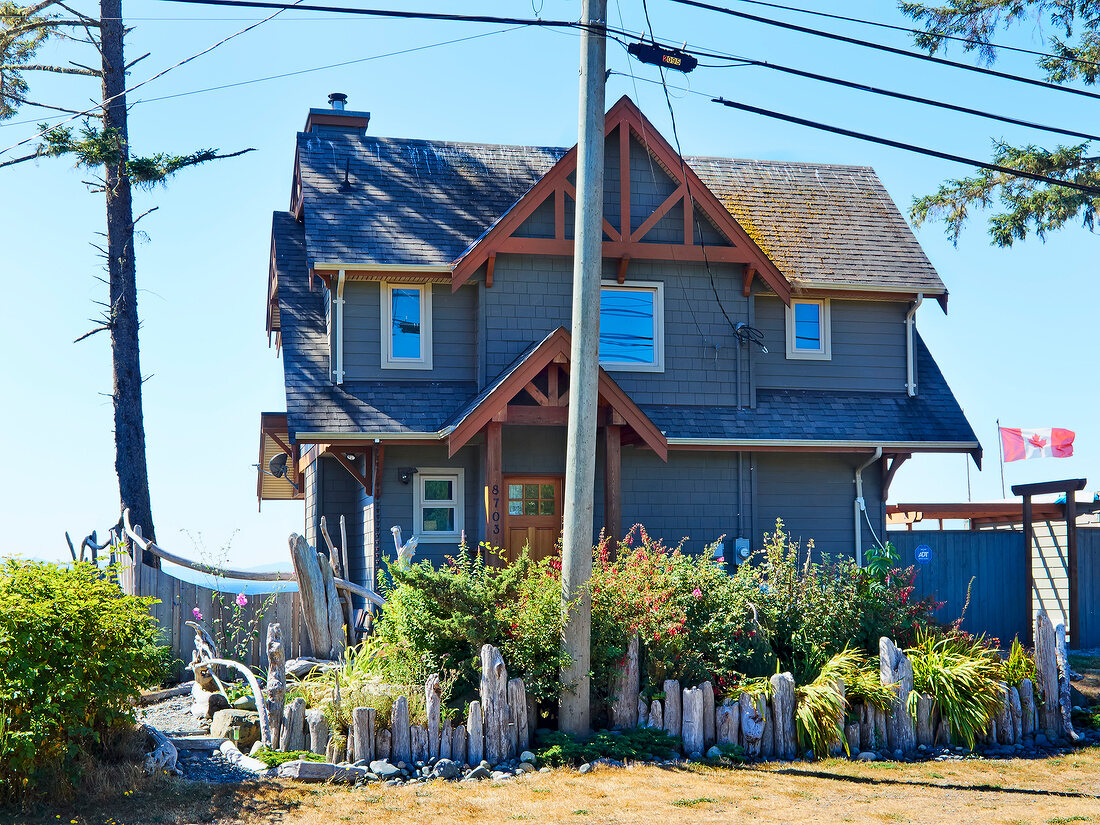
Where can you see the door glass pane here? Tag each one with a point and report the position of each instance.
(439, 519)
(807, 326)
(530, 507)
(515, 507)
(530, 491)
(405, 306)
(627, 326)
(546, 508)
(438, 490)
(515, 491)
(547, 491)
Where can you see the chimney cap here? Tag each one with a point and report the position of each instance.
(337, 100)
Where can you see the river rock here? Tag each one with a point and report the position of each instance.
(239, 726)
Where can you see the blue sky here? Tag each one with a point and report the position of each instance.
(1016, 343)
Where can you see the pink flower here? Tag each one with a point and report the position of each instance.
(697, 593)
(197, 614)
(242, 600)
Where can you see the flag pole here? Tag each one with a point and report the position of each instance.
(1001, 453)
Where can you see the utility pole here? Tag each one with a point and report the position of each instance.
(580, 450)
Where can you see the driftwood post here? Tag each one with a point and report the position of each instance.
(293, 735)
(494, 702)
(1046, 672)
(517, 713)
(401, 743)
(475, 737)
(643, 713)
(656, 715)
(362, 733)
(925, 734)
(752, 725)
(1003, 717)
(1017, 715)
(433, 697)
(419, 738)
(709, 731)
(896, 669)
(851, 738)
(727, 724)
(840, 745)
(319, 732)
(783, 715)
(867, 726)
(1027, 710)
(767, 741)
(1065, 699)
(458, 744)
(333, 608)
(275, 694)
(311, 590)
(382, 744)
(624, 689)
(692, 728)
(672, 711)
(446, 734)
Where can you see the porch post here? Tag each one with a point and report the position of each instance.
(613, 482)
(1029, 562)
(1073, 620)
(494, 494)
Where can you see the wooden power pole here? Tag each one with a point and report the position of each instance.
(580, 450)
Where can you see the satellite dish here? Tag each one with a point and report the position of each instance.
(277, 465)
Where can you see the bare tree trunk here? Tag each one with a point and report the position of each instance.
(130, 463)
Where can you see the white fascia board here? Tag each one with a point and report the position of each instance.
(371, 437)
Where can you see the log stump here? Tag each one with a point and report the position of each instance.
(319, 733)
(673, 715)
(362, 733)
(710, 733)
(624, 689)
(401, 733)
(433, 698)
(475, 738)
(692, 726)
(727, 724)
(896, 669)
(494, 704)
(1046, 674)
(785, 746)
(752, 725)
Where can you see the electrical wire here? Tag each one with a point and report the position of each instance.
(884, 48)
(970, 41)
(909, 147)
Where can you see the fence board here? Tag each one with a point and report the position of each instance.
(994, 559)
(1088, 586)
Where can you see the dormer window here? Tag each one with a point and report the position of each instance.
(406, 326)
(809, 331)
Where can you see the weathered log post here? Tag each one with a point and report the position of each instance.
(319, 732)
(382, 747)
(727, 723)
(1003, 716)
(643, 713)
(752, 724)
(656, 715)
(896, 669)
(1046, 673)
(867, 726)
(1065, 698)
(446, 735)
(1027, 710)
(692, 727)
(925, 733)
(311, 591)
(710, 733)
(475, 736)
(333, 609)
(433, 699)
(767, 741)
(418, 735)
(783, 715)
(517, 714)
(293, 734)
(362, 733)
(881, 726)
(1017, 715)
(494, 702)
(851, 738)
(458, 744)
(624, 689)
(673, 715)
(275, 693)
(336, 752)
(838, 747)
(400, 732)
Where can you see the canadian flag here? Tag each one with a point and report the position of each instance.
(1053, 442)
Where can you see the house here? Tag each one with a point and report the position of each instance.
(758, 345)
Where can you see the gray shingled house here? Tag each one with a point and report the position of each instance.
(758, 345)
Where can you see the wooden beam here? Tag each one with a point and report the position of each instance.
(608, 229)
(624, 261)
(624, 180)
(1067, 486)
(559, 214)
(494, 485)
(489, 265)
(538, 416)
(636, 250)
(1029, 574)
(353, 471)
(1071, 574)
(537, 394)
(746, 280)
(552, 385)
(889, 472)
(613, 482)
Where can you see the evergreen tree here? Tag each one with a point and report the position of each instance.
(1026, 206)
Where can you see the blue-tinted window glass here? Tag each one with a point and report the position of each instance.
(807, 326)
(626, 327)
(405, 305)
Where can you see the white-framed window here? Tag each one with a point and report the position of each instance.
(809, 330)
(406, 326)
(438, 507)
(632, 326)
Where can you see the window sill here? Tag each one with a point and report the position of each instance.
(633, 367)
(439, 538)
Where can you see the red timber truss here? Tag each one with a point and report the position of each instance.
(625, 121)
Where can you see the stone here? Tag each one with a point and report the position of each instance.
(714, 752)
(896, 669)
(752, 724)
(783, 699)
(205, 703)
(525, 767)
(499, 775)
(240, 726)
(692, 725)
(247, 702)
(527, 756)
(321, 772)
(727, 724)
(446, 769)
(480, 772)
(585, 768)
(867, 756)
(672, 715)
(624, 689)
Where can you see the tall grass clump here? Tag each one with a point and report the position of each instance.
(819, 707)
(962, 675)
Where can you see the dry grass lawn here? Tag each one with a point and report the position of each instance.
(1053, 791)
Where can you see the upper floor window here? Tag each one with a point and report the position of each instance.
(632, 326)
(809, 333)
(406, 326)
(438, 506)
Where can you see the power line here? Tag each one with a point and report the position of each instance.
(970, 41)
(889, 49)
(909, 147)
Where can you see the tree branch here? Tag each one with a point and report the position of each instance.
(103, 328)
(134, 62)
(143, 214)
(46, 68)
(24, 102)
(23, 159)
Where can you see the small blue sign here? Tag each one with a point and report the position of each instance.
(923, 554)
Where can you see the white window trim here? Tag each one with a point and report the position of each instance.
(658, 290)
(825, 352)
(424, 362)
(458, 476)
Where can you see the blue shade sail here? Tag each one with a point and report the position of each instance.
(807, 326)
(627, 327)
(405, 309)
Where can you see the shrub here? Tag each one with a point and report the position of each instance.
(558, 748)
(73, 651)
(819, 707)
(1019, 665)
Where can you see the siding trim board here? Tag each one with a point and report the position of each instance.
(828, 445)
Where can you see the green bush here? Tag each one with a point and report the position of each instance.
(637, 744)
(73, 651)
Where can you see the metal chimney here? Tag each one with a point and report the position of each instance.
(337, 100)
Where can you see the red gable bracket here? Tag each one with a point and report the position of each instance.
(625, 119)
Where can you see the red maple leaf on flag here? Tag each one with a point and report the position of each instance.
(1037, 441)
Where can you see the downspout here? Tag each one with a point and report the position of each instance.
(910, 372)
(340, 279)
(860, 505)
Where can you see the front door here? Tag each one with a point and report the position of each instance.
(532, 515)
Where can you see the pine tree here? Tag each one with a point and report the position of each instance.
(98, 142)
(1025, 206)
